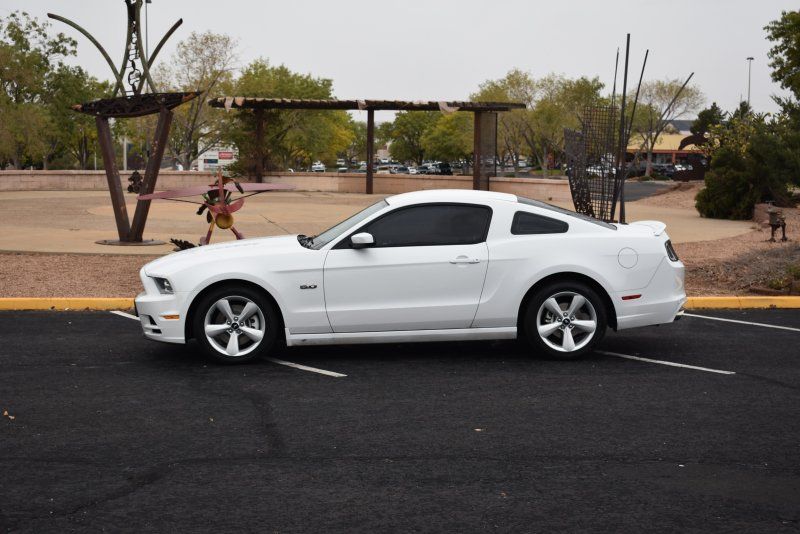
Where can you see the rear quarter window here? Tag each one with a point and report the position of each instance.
(525, 223)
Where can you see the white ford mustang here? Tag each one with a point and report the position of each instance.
(422, 266)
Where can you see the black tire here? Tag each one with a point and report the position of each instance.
(264, 319)
(555, 345)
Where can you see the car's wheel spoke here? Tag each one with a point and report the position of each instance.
(568, 343)
(249, 309)
(546, 330)
(552, 305)
(233, 344)
(214, 330)
(585, 325)
(225, 307)
(575, 305)
(253, 333)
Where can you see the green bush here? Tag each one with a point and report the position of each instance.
(739, 179)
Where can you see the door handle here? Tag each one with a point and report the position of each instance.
(464, 259)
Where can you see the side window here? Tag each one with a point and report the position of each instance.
(432, 224)
(525, 223)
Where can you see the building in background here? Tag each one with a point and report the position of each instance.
(216, 157)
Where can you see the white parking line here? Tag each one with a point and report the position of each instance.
(126, 315)
(306, 368)
(742, 322)
(662, 362)
(273, 360)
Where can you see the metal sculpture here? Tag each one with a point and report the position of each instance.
(597, 155)
(129, 101)
(593, 172)
(218, 203)
(698, 162)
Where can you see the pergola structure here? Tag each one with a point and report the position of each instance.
(485, 132)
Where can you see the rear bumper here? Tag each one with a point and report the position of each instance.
(662, 301)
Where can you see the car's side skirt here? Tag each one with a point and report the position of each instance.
(400, 336)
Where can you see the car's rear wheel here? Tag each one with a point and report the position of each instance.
(235, 324)
(565, 320)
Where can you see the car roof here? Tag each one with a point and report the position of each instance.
(448, 195)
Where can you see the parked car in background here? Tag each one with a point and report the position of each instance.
(413, 170)
(342, 169)
(445, 169)
(318, 167)
(424, 266)
(399, 169)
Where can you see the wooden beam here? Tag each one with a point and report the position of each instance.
(151, 174)
(259, 163)
(476, 152)
(112, 176)
(370, 149)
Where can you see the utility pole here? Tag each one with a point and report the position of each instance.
(749, 71)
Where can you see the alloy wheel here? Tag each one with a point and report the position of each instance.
(566, 321)
(234, 326)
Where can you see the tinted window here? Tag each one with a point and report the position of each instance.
(530, 223)
(433, 224)
(545, 205)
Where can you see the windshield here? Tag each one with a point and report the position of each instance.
(581, 216)
(319, 241)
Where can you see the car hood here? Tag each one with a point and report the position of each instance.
(229, 251)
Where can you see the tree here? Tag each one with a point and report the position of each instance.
(552, 104)
(406, 133)
(785, 53)
(72, 136)
(749, 164)
(512, 126)
(711, 116)
(357, 149)
(29, 54)
(658, 109)
(202, 62)
(450, 139)
(292, 138)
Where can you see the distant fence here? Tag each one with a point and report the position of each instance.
(386, 184)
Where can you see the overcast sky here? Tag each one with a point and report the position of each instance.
(443, 49)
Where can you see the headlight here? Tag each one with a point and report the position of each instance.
(164, 287)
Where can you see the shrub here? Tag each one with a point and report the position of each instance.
(742, 176)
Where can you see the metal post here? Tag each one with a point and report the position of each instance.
(151, 174)
(112, 176)
(125, 154)
(476, 151)
(622, 129)
(259, 163)
(749, 71)
(370, 149)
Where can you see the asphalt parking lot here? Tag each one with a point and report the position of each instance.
(103, 430)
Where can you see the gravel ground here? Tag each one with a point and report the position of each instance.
(720, 267)
(70, 275)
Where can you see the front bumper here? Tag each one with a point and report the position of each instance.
(152, 311)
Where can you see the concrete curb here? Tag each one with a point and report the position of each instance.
(723, 303)
(88, 303)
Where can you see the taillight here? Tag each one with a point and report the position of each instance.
(673, 256)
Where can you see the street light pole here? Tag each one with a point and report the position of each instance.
(749, 71)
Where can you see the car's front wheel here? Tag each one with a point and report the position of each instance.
(565, 320)
(235, 324)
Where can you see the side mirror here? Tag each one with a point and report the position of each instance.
(362, 240)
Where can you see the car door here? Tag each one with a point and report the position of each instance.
(425, 270)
